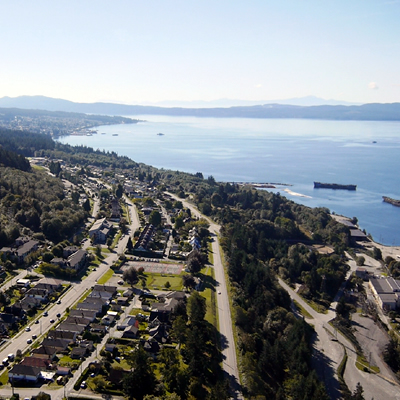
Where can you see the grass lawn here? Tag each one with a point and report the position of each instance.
(4, 377)
(105, 277)
(363, 365)
(67, 361)
(159, 280)
(209, 294)
(210, 254)
(302, 310)
(316, 307)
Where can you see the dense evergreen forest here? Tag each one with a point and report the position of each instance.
(263, 235)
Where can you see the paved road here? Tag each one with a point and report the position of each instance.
(224, 313)
(328, 354)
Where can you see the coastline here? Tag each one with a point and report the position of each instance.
(387, 251)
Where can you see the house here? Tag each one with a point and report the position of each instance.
(67, 251)
(115, 210)
(24, 373)
(93, 304)
(106, 288)
(159, 333)
(37, 293)
(55, 284)
(60, 344)
(91, 315)
(65, 326)
(100, 230)
(152, 347)
(27, 248)
(128, 293)
(78, 352)
(100, 294)
(59, 262)
(28, 303)
(61, 334)
(47, 352)
(78, 321)
(358, 235)
(77, 260)
(127, 322)
(122, 301)
(131, 332)
(98, 328)
(38, 362)
(110, 347)
(107, 320)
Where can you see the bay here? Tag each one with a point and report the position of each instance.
(294, 152)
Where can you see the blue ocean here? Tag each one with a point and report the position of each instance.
(290, 152)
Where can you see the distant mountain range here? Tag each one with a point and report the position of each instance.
(297, 101)
(367, 112)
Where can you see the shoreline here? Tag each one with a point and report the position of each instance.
(386, 250)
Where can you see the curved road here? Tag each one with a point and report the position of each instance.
(328, 354)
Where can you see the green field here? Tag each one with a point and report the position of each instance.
(105, 277)
(159, 280)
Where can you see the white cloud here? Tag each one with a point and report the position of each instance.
(258, 85)
(373, 85)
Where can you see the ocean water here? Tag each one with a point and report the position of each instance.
(293, 152)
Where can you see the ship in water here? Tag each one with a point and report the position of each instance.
(319, 185)
(391, 201)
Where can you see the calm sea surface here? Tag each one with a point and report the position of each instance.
(287, 151)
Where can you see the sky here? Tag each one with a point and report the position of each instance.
(140, 52)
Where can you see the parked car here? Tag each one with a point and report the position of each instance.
(29, 341)
(83, 385)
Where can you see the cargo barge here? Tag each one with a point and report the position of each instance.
(391, 201)
(319, 185)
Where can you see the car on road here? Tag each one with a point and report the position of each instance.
(219, 292)
(34, 337)
(58, 315)
(59, 302)
(51, 321)
(37, 321)
(27, 329)
(29, 341)
(120, 282)
(45, 314)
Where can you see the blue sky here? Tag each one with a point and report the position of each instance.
(130, 51)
